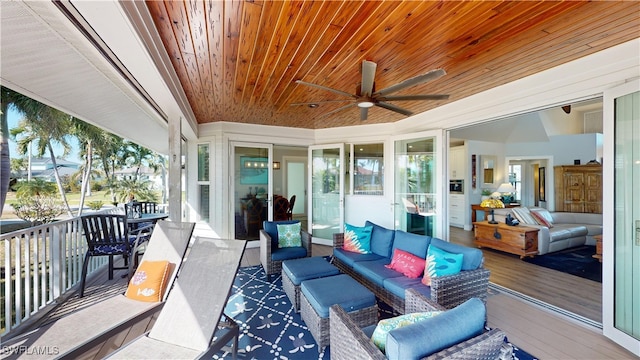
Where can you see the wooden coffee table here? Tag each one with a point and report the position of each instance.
(519, 240)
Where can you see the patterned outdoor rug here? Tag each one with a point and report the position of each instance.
(269, 328)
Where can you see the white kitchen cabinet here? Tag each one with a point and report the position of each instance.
(457, 163)
(456, 210)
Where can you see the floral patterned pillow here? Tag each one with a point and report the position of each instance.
(289, 235)
(357, 239)
(440, 263)
(379, 336)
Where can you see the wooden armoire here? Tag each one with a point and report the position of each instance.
(578, 188)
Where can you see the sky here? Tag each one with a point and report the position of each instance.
(13, 118)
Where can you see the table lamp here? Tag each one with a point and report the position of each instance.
(506, 190)
(492, 204)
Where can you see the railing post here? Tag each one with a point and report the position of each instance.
(57, 259)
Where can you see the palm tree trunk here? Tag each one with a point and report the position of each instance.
(58, 181)
(5, 161)
(85, 177)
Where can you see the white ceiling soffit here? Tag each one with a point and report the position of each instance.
(517, 129)
(44, 56)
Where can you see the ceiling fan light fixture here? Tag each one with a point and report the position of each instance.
(365, 104)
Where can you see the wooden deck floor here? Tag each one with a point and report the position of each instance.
(537, 330)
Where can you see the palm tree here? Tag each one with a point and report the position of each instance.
(137, 156)
(109, 150)
(45, 126)
(87, 135)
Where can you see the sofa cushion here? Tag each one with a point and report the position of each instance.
(357, 239)
(375, 271)
(522, 214)
(398, 285)
(271, 228)
(350, 258)
(441, 263)
(381, 239)
(472, 259)
(567, 231)
(431, 335)
(406, 263)
(412, 243)
(288, 253)
(379, 336)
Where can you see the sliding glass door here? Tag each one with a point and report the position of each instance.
(251, 188)
(418, 184)
(621, 238)
(327, 190)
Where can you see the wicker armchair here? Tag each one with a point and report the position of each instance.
(448, 291)
(272, 266)
(348, 341)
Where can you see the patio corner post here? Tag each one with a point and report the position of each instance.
(175, 168)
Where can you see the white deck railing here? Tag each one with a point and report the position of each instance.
(39, 264)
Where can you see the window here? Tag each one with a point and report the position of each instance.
(515, 178)
(368, 169)
(203, 181)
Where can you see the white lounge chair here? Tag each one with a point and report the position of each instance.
(186, 326)
(71, 335)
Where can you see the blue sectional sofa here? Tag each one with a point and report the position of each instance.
(390, 285)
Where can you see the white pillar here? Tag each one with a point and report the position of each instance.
(175, 168)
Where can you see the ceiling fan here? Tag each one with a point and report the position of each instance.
(366, 96)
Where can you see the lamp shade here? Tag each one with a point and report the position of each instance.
(506, 188)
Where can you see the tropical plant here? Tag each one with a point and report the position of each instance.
(95, 205)
(128, 189)
(37, 202)
(87, 135)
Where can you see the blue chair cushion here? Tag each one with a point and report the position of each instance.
(472, 257)
(431, 335)
(375, 270)
(288, 253)
(413, 243)
(299, 270)
(271, 227)
(381, 239)
(109, 249)
(350, 258)
(397, 285)
(324, 292)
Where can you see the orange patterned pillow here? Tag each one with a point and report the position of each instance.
(150, 281)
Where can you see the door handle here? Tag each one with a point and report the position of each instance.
(637, 232)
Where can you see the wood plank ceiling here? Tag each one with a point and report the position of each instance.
(238, 60)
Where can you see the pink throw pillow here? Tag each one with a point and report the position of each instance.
(541, 219)
(406, 263)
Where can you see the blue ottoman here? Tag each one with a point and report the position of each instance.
(319, 294)
(294, 272)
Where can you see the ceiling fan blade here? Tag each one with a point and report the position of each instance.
(319, 102)
(368, 75)
(325, 88)
(364, 112)
(394, 108)
(431, 75)
(339, 109)
(414, 97)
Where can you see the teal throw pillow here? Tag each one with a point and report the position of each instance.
(379, 336)
(357, 239)
(289, 235)
(441, 263)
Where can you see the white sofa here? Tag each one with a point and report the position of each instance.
(568, 229)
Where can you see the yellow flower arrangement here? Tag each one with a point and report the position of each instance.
(492, 203)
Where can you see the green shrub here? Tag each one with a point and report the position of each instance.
(95, 205)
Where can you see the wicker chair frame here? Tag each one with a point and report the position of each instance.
(349, 342)
(275, 266)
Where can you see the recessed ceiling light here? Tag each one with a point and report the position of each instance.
(313, 106)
